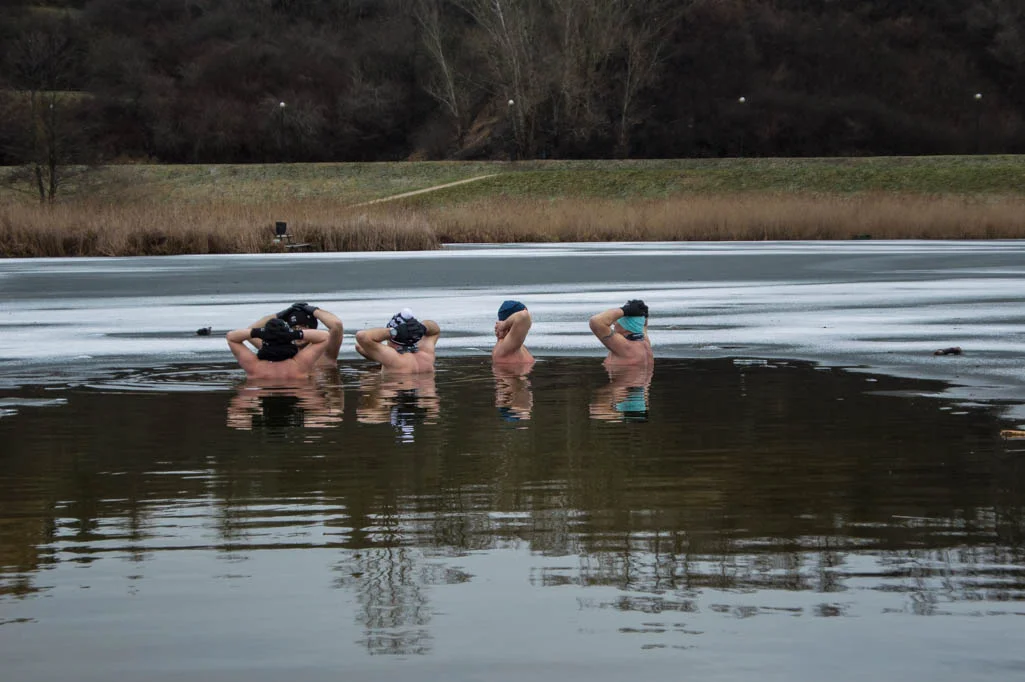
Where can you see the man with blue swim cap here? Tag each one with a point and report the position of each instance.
(624, 331)
(510, 333)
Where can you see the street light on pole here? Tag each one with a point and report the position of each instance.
(512, 126)
(281, 127)
(978, 122)
(743, 122)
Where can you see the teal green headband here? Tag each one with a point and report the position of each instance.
(634, 325)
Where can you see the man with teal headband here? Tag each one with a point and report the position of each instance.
(624, 331)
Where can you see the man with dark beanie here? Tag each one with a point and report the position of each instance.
(305, 316)
(279, 356)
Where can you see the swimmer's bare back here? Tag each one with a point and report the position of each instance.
(375, 344)
(298, 367)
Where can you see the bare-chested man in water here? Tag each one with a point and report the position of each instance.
(305, 316)
(510, 333)
(405, 345)
(624, 331)
(279, 356)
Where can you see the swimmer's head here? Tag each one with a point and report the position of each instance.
(509, 308)
(400, 317)
(277, 337)
(297, 317)
(407, 333)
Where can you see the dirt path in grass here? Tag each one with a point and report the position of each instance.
(423, 191)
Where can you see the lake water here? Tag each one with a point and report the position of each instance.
(730, 517)
(739, 513)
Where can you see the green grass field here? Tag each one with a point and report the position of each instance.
(654, 179)
(164, 209)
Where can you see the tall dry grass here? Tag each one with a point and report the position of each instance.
(92, 228)
(733, 217)
(87, 228)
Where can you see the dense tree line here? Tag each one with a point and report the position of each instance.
(347, 80)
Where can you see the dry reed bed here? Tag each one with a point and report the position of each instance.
(85, 228)
(747, 217)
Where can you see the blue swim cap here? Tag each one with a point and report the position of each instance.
(634, 325)
(508, 308)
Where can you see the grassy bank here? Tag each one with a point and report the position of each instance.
(151, 209)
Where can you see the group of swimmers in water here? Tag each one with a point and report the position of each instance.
(289, 344)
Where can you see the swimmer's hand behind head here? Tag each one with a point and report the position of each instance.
(306, 308)
(299, 313)
(635, 308)
(276, 331)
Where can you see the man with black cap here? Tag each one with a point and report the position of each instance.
(279, 356)
(624, 331)
(305, 316)
(511, 332)
(404, 345)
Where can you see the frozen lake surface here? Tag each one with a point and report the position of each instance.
(737, 514)
(882, 305)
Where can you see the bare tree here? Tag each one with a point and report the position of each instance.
(518, 33)
(588, 34)
(644, 38)
(42, 61)
(442, 87)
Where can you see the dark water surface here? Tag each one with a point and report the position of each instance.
(721, 519)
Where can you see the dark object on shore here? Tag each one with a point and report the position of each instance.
(284, 237)
(953, 350)
(204, 331)
(861, 236)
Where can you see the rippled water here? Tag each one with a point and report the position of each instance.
(727, 519)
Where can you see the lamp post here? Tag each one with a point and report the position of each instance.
(978, 122)
(281, 128)
(742, 101)
(512, 127)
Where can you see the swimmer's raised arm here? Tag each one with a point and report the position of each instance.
(601, 324)
(257, 343)
(315, 336)
(335, 331)
(512, 333)
(369, 343)
(246, 357)
(431, 334)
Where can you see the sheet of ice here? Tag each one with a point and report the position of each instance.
(885, 306)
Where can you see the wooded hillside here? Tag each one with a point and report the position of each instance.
(236, 81)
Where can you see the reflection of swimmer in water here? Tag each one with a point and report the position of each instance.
(513, 396)
(273, 404)
(403, 401)
(625, 398)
